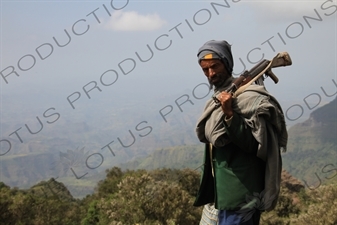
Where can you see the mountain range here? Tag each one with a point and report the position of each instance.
(75, 156)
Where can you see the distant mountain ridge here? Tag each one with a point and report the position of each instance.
(172, 144)
(41, 156)
(178, 157)
(326, 118)
(312, 147)
(311, 152)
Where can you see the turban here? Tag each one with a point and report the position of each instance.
(217, 50)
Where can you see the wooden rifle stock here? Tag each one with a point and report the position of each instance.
(262, 68)
(248, 77)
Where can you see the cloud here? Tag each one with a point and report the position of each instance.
(132, 21)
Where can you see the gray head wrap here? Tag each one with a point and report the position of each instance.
(222, 51)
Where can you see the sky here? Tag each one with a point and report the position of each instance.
(54, 53)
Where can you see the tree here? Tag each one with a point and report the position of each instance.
(142, 200)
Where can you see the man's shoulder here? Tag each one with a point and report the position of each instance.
(257, 89)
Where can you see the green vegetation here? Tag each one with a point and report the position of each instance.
(156, 197)
(161, 196)
(150, 193)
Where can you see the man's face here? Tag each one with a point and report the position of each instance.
(215, 71)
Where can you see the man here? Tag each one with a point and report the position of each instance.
(243, 137)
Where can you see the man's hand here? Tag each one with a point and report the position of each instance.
(225, 99)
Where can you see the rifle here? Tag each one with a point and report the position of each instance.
(254, 74)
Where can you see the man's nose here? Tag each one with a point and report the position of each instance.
(211, 72)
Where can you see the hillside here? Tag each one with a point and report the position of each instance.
(139, 126)
(311, 153)
(162, 196)
(178, 157)
(312, 147)
(14, 172)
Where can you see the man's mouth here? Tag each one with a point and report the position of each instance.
(215, 79)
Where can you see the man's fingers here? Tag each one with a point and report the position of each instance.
(224, 96)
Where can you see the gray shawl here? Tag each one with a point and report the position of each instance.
(263, 114)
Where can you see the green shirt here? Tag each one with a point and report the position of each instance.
(238, 172)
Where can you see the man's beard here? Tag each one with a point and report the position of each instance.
(222, 77)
